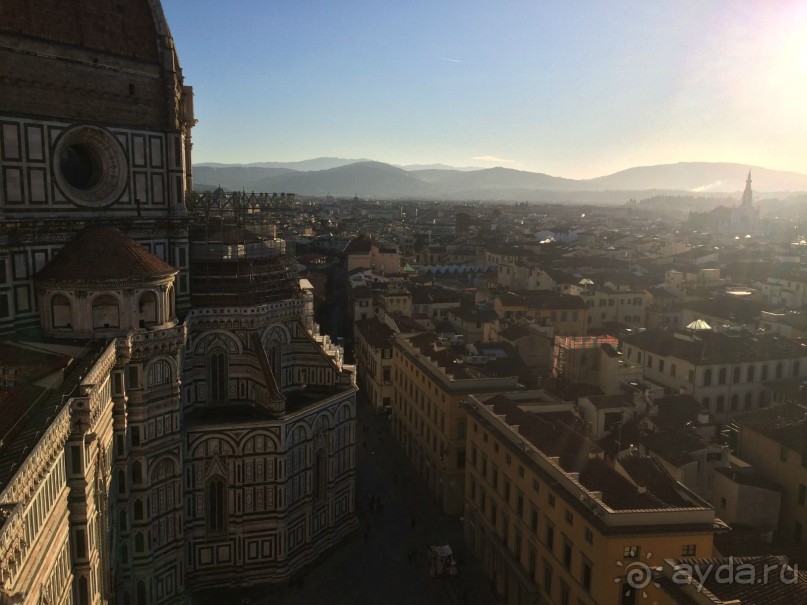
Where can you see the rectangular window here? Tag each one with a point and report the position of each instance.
(631, 552)
(135, 436)
(551, 499)
(75, 459)
(585, 576)
(81, 544)
(567, 554)
(688, 550)
(547, 577)
(802, 493)
(589, 535)
(550, 536)
(569, 517)
(672, 370)
(520, 504)
(660, 365)
(783, 453)
(531, 563)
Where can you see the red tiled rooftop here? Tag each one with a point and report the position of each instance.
(98, 254)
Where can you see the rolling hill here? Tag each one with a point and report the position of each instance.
(384, 181)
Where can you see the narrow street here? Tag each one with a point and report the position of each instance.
(373, 565)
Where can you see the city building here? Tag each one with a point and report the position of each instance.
(726, 371)
(552, 522)
(773, 440)
(431, 378)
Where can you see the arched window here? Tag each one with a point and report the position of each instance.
(83, 592)
(137, 472)
(765, 372)
(274, 361)
(105, 312)
(61, 312)
(705, 402)
(159, 373)
(122, 520)
(216, 504)
(749, 377)
(141, 593)
(721, 403)
(320, 474)
(763, 399)
(779, 370)
(138, 509)
(121, 482)
(736, 375)
(171, 303)
(218, 376)
(734, 402)
(747, 405)
(124, 554)
(147, 305)
(721, 377)
(707, 377)
(139, 543)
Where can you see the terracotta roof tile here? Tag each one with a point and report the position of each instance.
(98, 254)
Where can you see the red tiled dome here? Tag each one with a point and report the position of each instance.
(98, 254)
(126, 29)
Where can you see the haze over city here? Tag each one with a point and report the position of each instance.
(577, 91)
(435, 303)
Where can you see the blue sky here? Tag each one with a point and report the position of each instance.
(574, 89)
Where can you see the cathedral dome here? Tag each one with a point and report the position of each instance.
(95, 61)
(125, 29)
(104, 254)
(104, 284)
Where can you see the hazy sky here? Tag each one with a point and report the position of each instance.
(574, 89)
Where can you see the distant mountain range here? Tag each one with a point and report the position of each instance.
(368, 179)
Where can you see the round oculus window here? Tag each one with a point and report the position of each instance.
(89, 166)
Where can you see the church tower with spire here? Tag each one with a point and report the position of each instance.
(748, 195)
(745, 217)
